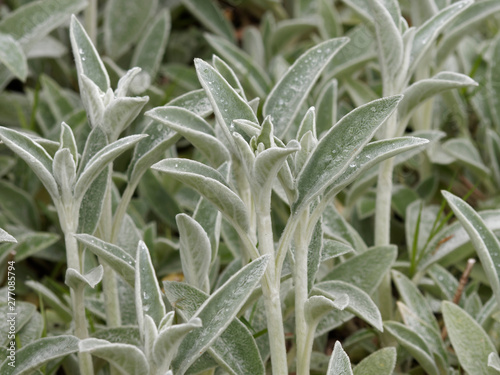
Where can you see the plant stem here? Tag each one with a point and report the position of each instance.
(81, 331)
(271, 293)
(90, 15)
(301, 293)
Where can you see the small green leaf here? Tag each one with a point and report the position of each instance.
(465, 152)
(211, 17)
(287, 96)
(195, 101)
(52, 300)
(6, 237)
(470, 342)
(76, 280)
(64, 172)
(483, 239)
(127, 359)
(34, 155)
(87, 58)
(30, 243)
(332, 249)
(116, 257)
(339, 147)
(317, 306)
(327, 107)
(13, 57)
(339, 364)
(382, 362)
(150, 50)
(124, 22)
(34, 355)
(218, 311)
(24, 313)
(195, 252)
(414, 345)
(209, 183)
(494, 361)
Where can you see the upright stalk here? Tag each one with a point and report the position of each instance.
(90, 16)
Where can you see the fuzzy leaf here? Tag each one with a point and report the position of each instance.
(470, 342)
(484, 240)
(76, 280)
(6, 237)
(124, 22)
(211, 17)
(339, 147)
(195, 130)
(360, 303)
(494, 361)
(414, 345)
(464, 151)
(209, 183)
(13, 57)
(195, 101)
(287, 96)
(218, 311)
(30, 243)
(116, 257)
(34, 155)
(87, 58)
(127, 359)
(382, 362)
(36, 354)
(339, 364)
(317, 306)
(64, 172)
(148, 299)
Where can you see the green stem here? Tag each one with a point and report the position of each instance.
(90, 15)
(81, 331)
(121, 210)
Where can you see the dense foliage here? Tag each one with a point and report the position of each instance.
(250, 187)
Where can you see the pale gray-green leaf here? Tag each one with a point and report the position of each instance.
(87, 59)
(76, 280)
(195, 101)
(469, 340)
(287, 96)
(127, 359)
(332, 249)
(209, 183)
(211, 16)
(218, 311)
(6, 237)
(64, 172)
(340, 146)
(382, 362)
(13, 57)
(339, 364)
(51, 299)
(195, 252)
(317, 306)
(464, 150)
(484, 240)
(494, 361)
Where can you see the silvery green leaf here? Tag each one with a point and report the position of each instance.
(327, 107)
(339, 364)
(288, 95)
(34, 155)
(169, 340)
(339, 147)
(207, 215)
(124, 334)
(308, 124)
(463, 150)
(34, 355)
(149, 52)
(331, 25)
(414, 344)
(93, 100)
(360, 303)
(30, 243)
(314, 254)
(32, 330)
(150, 149)
(120, 113)
(47, 47)
(128, 359)
(242, 64)
(87, 58)
(64, 172)
(424, 89)
(428, 32)
(18, 205)
(228, 74)
(209, 183)
(254, 45)
(6, 237)
(226, 102)
(195, 252)
(13, 57)
(493, 147)
(307, 145)
(148, 298)
(412, 297)
(289, 29)
(360, 92)
(332, 249)
(124, 22)
(52, 300)
(235, 350)
(67, 140)
(389, 40)
(465, 24)
(335, 226)
(484, 240)
(494, 361)
(211, 16)
(126, 83)
(76, 280)
(382, 362)
(196, 130)
(149, 332)
(101, 160)
(24, 312)
(427, 332)
(218, 311)
(195, 101)
(31, 22)
(469, 340)
(444, 280)
(116, 257)
(317, 306)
